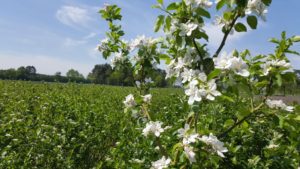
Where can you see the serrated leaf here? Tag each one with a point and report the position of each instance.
(239, 27)
(252, 22)
(213, 74)
(220, 4)
(167, 23)
(203, 12)
(159, 21)
(172, 6)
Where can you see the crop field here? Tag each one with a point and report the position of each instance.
(52, 125)
(45, 125)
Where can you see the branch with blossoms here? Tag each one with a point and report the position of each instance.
(206, 80)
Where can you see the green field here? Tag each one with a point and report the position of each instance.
(53, 125)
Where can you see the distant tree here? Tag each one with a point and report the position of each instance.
(100, 74)
(74, 74)
(31, 70)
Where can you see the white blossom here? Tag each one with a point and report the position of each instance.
(153, 128)
(257, 7)
(142, 41)
(194, 93)
(211, 90)
(147, 98)
(216, 144)
(188, 150)
(239, 66)
(117, 59)
(186, 29)
(161, 163)
(138, 84)
(269, 64)
(279, 104)
(235, 64)
(129, 101)
(148, 80)
(204, 3)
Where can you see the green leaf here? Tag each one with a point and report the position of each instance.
(224, 97)
(159, 22)
(274, 40)
(160, 1)
(239, 27)
(252, 21)
(213, 74)
(167, 23)
(203, 12)
(267, 2)
(172, 6)
(228, 123)
(220, 4)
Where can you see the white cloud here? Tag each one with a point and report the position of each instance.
(73, 16)
(43, 63)
(69, 42)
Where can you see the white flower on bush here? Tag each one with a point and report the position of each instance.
(129, 101)
(194, 93)
(257, 7)
(188, 150)
(147, 98)
(161, 163)
(279, 104)
(197, 91)
(216, 144)
(239, 66)
(229, 62)
(117, 59)
(203, 3)
(142, 41)
(267, 67)
(153, 128)
(186, 29)
(188, 74)
(188, 138)
(148, 80)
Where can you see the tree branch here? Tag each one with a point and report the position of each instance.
(231, 25)
(198, 50)
(223, 134)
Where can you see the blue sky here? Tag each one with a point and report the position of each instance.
(62, 34)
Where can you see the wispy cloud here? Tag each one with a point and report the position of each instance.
(69, 42)
(73, 16)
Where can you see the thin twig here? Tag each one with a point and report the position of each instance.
(231, 25)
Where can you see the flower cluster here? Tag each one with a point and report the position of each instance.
(188, 138)
(278, 104)
(199, 3)
(235, 64)
(199, 88)
(153, 128)
(161, 163)
(256, 7)
(272, 64)
(129, 101)
(216, 144)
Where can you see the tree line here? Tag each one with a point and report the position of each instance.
(100, 74)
